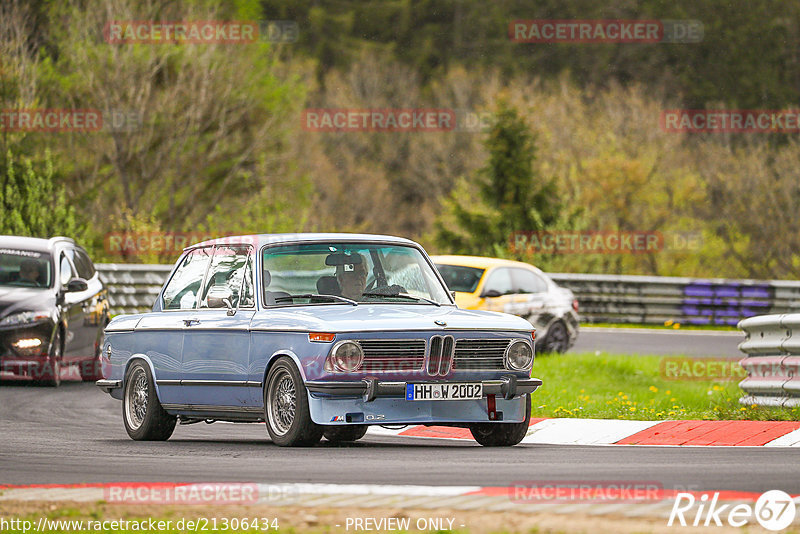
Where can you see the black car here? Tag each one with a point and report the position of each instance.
(53, 308)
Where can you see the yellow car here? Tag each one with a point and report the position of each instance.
(517, 288)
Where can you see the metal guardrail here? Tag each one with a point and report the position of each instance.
(132, 287)
(602, 298)
(773, 360)
(656, 299)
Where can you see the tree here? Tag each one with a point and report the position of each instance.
(204, 124)
(506, 196)
(33, 205)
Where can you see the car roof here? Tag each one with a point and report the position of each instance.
(480, 262)
(271, 239)
(34, 244)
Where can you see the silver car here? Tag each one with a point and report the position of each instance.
(518, 288)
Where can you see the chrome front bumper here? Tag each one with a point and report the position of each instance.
(506, 387)
(108, 385)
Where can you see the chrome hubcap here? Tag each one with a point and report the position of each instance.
(136, 399)
(282, 402)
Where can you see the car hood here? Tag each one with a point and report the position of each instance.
(383, 317)
(14, 299)
(363, 318)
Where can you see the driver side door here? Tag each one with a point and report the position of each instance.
(497, 291)
(77, 344)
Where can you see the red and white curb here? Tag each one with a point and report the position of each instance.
(614, 501)
(569, 431)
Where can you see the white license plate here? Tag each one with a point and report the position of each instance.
(427, 392)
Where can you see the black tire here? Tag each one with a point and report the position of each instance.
(502, 434)
(92, 370)
(339, 434)
(144, 418)
(286, 409)
(557, 340)
(49, 374)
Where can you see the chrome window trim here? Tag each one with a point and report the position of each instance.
(250, 251)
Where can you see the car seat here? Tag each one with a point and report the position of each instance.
(328, 285)
(272, 297)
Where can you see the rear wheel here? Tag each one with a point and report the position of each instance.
(502, 434)
(337, 434)
(286, 408)
(145, 419)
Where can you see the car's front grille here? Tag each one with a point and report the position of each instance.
(480, 354)
(392, 355)
(440, 356)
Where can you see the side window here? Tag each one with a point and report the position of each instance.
(65, 270)
(83, 264)
(248, 291)
(528, 282)
(181, 292)
(500, 281)
(224, 281)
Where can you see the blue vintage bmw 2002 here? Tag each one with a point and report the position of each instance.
(317, 335)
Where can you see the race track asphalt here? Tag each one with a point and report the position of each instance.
(74, 434)
(693, 343)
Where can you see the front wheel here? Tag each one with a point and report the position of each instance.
(286, 409)
(502, 434)
(144, 417)
(49, 374)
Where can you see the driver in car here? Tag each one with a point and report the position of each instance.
(29, 272)
(352, 278)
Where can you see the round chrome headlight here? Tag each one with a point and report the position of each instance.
(347, 356)
(519, 355)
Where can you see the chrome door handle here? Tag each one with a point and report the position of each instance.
(190, 322)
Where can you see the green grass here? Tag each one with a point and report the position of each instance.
(669, 325)
(613, 386)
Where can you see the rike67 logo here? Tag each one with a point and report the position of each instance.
(774, 510)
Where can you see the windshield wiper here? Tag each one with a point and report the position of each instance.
(403, 295)
(316, 295)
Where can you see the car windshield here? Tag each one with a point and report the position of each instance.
(460, 278)
(25, 268)
(348, 274)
